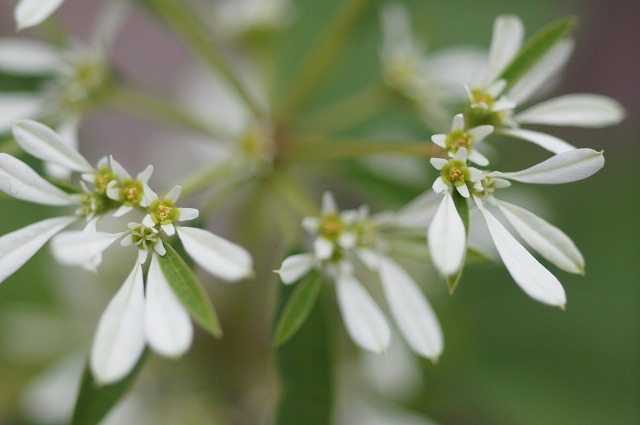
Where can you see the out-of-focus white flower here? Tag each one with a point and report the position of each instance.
(433, 81)
(235, 18)
(29, 13)
(491, 102)
(342, 241)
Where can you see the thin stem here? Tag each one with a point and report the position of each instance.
(349, 111)
(207, 177)
(295, 194)
(178, 17)
(321, 57)
(133, 102)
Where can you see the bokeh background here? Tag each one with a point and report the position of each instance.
(508, 360)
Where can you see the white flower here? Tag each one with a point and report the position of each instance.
(492, 102)
(454, 173)
(29, 13)
(235, 18)
(350, 236)
(549, 241)
(459, 137)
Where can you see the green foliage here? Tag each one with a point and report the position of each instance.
(189, 291)
(95, 401)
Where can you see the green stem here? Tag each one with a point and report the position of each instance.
(184, 23)
(295, 194)
(194, 183)
(143, 105)
(349, 111)
(321, 57)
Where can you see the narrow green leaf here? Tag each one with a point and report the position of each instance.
(536, 47)
(306, 365)
(299, 306)
(95, 401)
(189, 291)
(462, 205)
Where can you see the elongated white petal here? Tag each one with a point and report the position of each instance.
(19, 180)
(580, 110)
(417, 213)
(549, 241)
(44, 143)
(118, 169)
(363, 319)
(478, 158)
(28, 57)
(167, 325)
(328, 204)
(545, 141)
(438, 163)
(480, 132)
(216, 255)
(323, 248)
(174, 193)
(565, 167)
(446, 237)
(411, 310)
(187, 214)
(31, 12)
(17, 247)
(439, 185)
(440, 140)
(506, 41)
(294, 267)
(17, 106)
(540, 74)
(525, 270)
(120, 338)
(78, 247)
(68, 131)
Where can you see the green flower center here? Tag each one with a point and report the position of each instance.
(163, 212)
(455, 173)
(459, 139)
(102, 179)
(144, 237)
(131, 192)
(331, 227)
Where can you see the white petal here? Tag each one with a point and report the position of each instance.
(477, 158)
(506, 41)
(580, 110)
(525, 270)
(78, 247)
(463, 190)
(411, 310)
(446, 238)
(546, 239)
(147, 221)
(457, 123)
(167, 325)
(120, 339)
(187, 214)
(44, 143)
(28, 57)
(148, 196)
(68, 131)
(18, 180)
(440, 140)
(122, 210)
(328, 204)
(118, 169)
(145, 174)
(369, 257)
(545, 141)
(169, 229)
(417, 213)
(461, 155)
(323, 248)
(439, 186)
(565, 167)
(535, 79)
(438, 163)
(294, 267)
(17, 247)
(174, 194)
(310, 224)
(362, 317)
(480, 132)
(31, 12)
(218, 256)
(17, 106)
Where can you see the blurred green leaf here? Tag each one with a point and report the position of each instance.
(189, 291)
(299, 306)
(536, 47)
(306, 365)
(95, 401)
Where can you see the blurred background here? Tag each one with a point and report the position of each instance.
(508, 360)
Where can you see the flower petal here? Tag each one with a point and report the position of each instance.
(411, 310)
(506, 41)
(28, 57)
(78, 248)
(174, 194)
(545, 141)
(540, 74)
(44, 143)
(120, 339)
(417, 213)
(323, 248)
(546, 239)
(17, 106)
(216, 255)
(580, 110)
(17, 247)
(32, 12)
(525, 270)
(294, 267)
(362, 317)
(19, 180)
(328, 204)
(565, 167)
(187, 214)
(167, 325)
(446, 238)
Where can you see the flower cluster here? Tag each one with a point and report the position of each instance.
(139, 313)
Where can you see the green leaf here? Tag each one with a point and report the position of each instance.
(462, 205)
(306, 365)
(95, 401)
(299, 306)
(536, 47)
(189, 291)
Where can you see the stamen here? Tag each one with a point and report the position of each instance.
(456, 175)
(163, 212)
